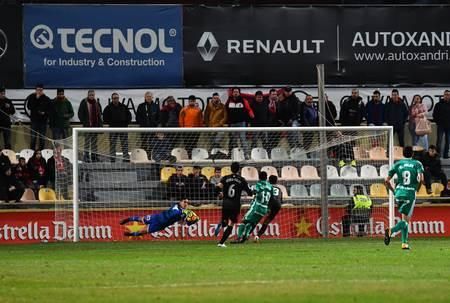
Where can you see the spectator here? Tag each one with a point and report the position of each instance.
(178, 184)
(61, 112)
(38, 168)
(10, 189)
(4, 161)
(90, 115)
(148, 115)
(441, 116)
(198, 185)
(417, 112)
(215, 179)
(239, 112)
(260, 108)
(310, 118)
(357, 211)
(288, 113)
(294, 105)
(330, 112)
(432, 168)
(23, 174)
(273, 137)
(60, 167)
(161, 148)
(6, 111)
(396, 113)
(352, 110)
(170, 118)
(117, 114)
(375, 110)
(39, 105)
(191, 116)
(216, 116)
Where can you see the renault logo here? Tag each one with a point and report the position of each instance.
(207, 46)
(3, 43)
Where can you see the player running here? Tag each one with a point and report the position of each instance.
(410, 176)
(230, 188)
(159, 221)
(274, 206)
(258, 209)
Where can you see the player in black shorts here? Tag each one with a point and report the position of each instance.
(230, 188)
(274, 206)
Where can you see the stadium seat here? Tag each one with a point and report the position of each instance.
(349, 172)
(332, 172)
(259, 154)
(68, 153)
(289, 172)
(378, 190)
(208, 171)
(298, 154)
(47, 195)
(437, 188)
(384, 170)
(398, 153)
(199, 154)
(139, 155)
(299, 191)
(422, 193)
(377, 153)
(26, 153)
(352, 187)
(237, 154)
(181, 154)
(284, 191)
(226, 171)
(219, 150)
(314, 190)
(11, 155)
(249, 173)
(114, 176)
(279, 154)
(270, 170)
(119, 196)
(28, 196)
(166, 172)
(369, 172)
(187, 170)
(308, 172)
(338, 190)
(359, 153)
(47, 154)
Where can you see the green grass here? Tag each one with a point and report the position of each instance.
(357, 270)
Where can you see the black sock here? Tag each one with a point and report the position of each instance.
(263, 229)
(226, 234)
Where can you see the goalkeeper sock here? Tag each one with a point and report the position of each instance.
(263, 229)
(398, 227)
(405, 233)
(226, 234)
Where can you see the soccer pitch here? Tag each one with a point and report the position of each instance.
(355, 270)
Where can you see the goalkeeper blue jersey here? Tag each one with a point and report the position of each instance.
(160, 221)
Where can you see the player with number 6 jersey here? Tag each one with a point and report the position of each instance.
(230, 188)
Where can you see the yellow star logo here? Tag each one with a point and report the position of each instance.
(135, 227)
(303, 227)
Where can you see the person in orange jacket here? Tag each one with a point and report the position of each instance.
(191, 116)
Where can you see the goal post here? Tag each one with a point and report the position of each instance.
(134, 178)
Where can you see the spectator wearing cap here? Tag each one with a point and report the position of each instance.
(39, 106)
(61, 112)
(198, 184)
(148, 115)
(191, 116)
(260, 107)
(216, 116)
(239, 112)
(116, 114)
(6, 111)
(177, 184)
(90, 115)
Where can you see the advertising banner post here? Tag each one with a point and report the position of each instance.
(103, 45)
(11, 69)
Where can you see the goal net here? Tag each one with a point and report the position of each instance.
(150, 169)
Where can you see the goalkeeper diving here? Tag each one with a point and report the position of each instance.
(157, 222)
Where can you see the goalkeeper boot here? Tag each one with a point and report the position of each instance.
(124, 221)
(405, 246)
(387, 236)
